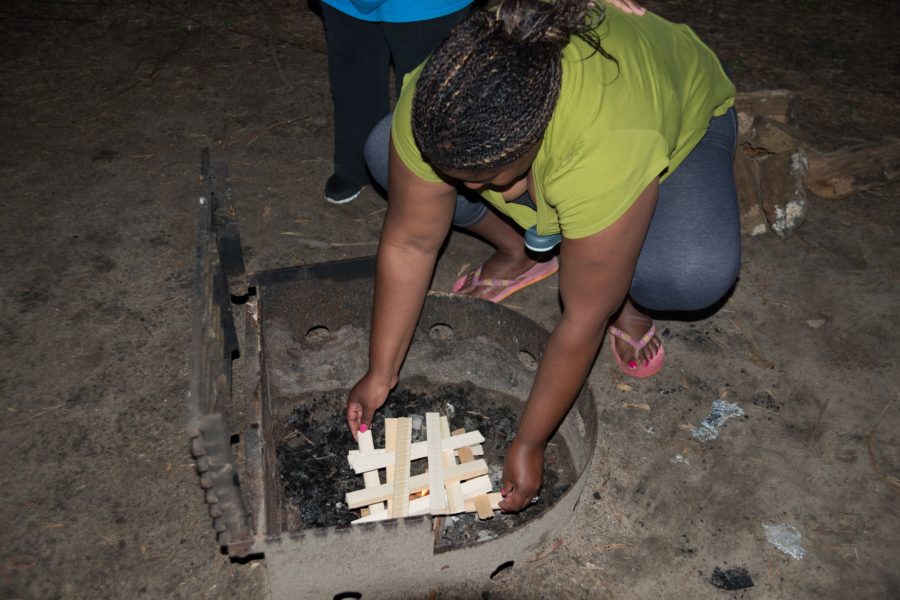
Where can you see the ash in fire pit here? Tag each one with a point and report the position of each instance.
(313, 454)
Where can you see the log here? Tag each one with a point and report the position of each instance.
(770, 136)
(780, 180)
(848, 171)
(774, 104)
(753, 219)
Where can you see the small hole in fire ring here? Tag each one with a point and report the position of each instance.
(527, 359)
(317, 333)
(348, 596)
(503, 566)
(441, 332)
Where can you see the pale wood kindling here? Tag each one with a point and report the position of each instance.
(436, 491)
(371, 480)
(414, 484)
(390, 444)
(494, 498)
(445, 488)
(455, 500)
(483, 507)
(400, 487)
(380, 459)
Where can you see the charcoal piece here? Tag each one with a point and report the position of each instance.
(736, 578)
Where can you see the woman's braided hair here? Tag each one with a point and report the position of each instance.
(486, 94)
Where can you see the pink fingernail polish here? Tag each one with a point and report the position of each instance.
(632, 364)
(363, 428)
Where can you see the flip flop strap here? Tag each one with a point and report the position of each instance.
(477, 281)
(493, 282)
(639, 345)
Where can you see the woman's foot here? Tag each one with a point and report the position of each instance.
(510, 269)
(502, 275)
(635, 325)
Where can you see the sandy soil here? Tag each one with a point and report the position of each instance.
(104, 107)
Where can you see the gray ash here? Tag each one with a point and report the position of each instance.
(312, 456)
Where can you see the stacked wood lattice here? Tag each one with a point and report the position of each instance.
(448, 487)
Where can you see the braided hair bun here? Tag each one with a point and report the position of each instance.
(487, 93)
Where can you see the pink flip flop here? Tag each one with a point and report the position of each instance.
(641, 371)
(508, 287)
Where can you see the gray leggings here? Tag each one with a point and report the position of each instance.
(692, 253)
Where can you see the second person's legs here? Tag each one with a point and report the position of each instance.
(359, 71)
(412, 42)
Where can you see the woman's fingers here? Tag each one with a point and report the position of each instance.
(354, 417)
(515, 498)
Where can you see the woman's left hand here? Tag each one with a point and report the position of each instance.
(627, 6)
(523, 474)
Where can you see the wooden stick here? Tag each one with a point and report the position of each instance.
(455, 500)
(483, 507)
(470, 489)
(390, 444)
(465, 454)
(371, 479)
(414, 484)
(476, 486)
(493, 497)
(437, 494)
(381, 459)
(399, 489)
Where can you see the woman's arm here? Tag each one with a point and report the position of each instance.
(417, 221)
(595, 276)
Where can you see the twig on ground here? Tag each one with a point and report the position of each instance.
(351, 244)
(756, 355)
(156, 66)
(256, 136)
(893, 482)
(616, 514)
(608, 547)
(546, 553)
(45, 411)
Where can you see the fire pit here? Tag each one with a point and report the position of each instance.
(306, 337)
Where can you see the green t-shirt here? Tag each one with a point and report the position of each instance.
(614, 128)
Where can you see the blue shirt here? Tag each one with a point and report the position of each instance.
(397, 11)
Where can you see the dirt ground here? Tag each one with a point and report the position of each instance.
(104, 107)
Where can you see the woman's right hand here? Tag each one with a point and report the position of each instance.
(367, 396)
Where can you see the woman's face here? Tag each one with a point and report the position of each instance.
(496, 179)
